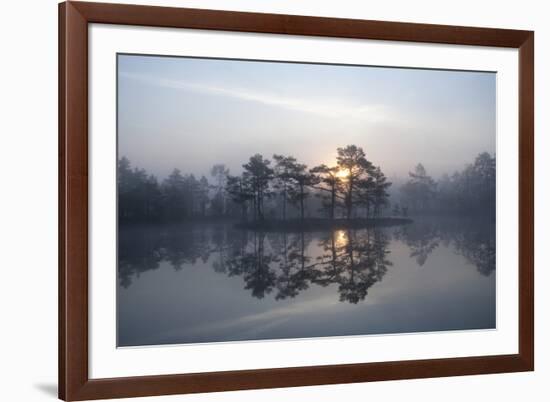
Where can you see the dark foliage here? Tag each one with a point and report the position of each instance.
(471, 191)
(261, 191)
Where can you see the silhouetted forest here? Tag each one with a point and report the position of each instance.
(285, 264)
(280, 188)
(470, 191)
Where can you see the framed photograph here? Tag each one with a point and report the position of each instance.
(259, 200)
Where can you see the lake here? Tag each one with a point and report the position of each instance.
(211, 282)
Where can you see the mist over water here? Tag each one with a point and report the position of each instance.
(211, 282)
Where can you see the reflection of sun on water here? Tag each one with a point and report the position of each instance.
(341, 238)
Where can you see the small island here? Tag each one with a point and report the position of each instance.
(350, 194)
(278, 194)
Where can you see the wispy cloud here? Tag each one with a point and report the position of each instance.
(329, 108)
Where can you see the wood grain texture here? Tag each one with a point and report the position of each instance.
(73, 200)
(298, 25)
(526, 201)
(74, 18)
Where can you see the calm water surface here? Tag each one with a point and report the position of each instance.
(211, 282)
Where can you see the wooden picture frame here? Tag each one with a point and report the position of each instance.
(74, 381)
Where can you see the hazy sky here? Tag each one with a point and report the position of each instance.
(193, 113)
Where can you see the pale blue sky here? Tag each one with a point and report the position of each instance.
(192, 113)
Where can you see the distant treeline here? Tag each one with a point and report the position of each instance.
(470, 191)
(281, 188)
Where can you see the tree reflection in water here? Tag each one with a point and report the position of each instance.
(479, 249)
(355, 260)
(286, 264)
(295, 270)
(475, 240)
(422, 239)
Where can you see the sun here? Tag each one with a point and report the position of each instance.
(342, 173)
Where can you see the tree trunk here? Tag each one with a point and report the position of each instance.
(284, 204)
(349, 202)
(262, 202)
(302, 250)
(255, 207)
(301, 202)
(333, 250)
(332, 202)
